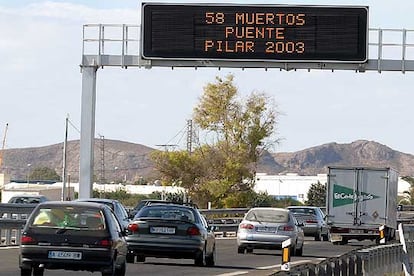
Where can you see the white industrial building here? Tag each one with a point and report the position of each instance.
(290, 185)
(297, 186)
(54, 191)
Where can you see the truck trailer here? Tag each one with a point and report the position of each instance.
(359, 201)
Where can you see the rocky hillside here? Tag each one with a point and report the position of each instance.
(359, 153)
(113, 160)
(120, 161)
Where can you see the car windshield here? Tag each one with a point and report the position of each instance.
(69, 217)
(166, 212)
(268, 216)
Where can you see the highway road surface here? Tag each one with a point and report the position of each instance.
(229, 263)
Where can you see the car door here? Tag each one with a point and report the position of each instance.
(210, 235)
(118, 235)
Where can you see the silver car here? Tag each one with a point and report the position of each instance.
(313, 220)
(267, 228)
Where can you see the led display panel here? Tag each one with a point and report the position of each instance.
(245, 32)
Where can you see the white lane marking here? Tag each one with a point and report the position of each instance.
(277, 266)
(265, 268)
(9, 247)
(234, 273)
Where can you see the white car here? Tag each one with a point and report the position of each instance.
(267, 228)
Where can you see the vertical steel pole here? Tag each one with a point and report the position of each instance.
(87, 130)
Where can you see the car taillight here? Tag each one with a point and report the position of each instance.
(287, 228)
(193, 231)
(133, 227)
(27, 240)
(105, 243)
(246, 226)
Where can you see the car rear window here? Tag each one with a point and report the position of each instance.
(25, 200)
(277, 216)
(308, 211)
(171, 213)
(69, 217)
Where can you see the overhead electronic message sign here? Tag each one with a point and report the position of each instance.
(245, 32)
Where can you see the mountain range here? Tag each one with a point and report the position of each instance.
(121, 161)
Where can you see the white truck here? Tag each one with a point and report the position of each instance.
(360, 200)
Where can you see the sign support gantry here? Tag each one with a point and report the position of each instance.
(119, 45)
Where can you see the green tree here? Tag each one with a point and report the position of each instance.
(44, 173)
(317, 195)
(238, 131)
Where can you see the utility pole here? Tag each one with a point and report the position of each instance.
(102, 148)
(64, 170)
(189, 136)
(3, 145)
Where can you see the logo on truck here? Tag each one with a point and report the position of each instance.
(344, 195)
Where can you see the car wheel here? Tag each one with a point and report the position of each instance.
(25, 272)
(211, 259)
(240, 250)
(109, 271)
(38, 271)
(299, 251)
(140, 258)
(200, 259)
(292, 250)
(318, 236)
(130, 258)
(120, 271)
(249, 250)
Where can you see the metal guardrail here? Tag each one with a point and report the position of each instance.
(377, 260)
(388, 259)
(226, 221)
(13, 218)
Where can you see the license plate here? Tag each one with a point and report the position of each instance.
(266, 229)
(65, 255)
(162, 230)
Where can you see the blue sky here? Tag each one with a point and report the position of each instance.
(40, 50)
